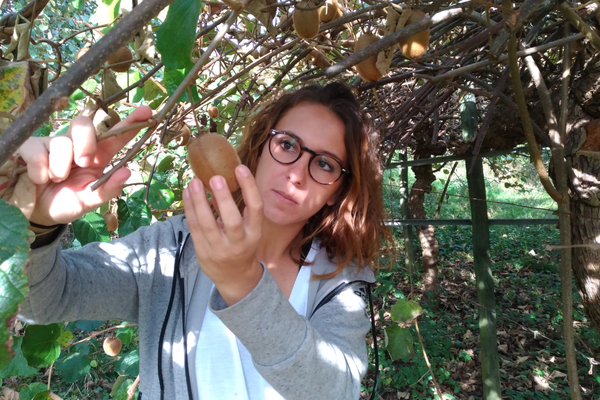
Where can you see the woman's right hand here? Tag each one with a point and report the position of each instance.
(65, 167)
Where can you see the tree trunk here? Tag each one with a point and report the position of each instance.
(583, 163)
(429, 244)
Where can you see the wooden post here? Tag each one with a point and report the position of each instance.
(485, 284)
(407, 231)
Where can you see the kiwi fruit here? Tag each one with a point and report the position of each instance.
(105, 121)
(416, 45)
(211, 154)
(367, 69)
(306, 22)
(318, 59)
(114, 118)
(112, 346)
(120, 56)
(272, 10)
(112, 222)
(330, 11)
(213, 111)
(184, 136)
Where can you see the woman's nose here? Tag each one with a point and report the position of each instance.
(298, 171)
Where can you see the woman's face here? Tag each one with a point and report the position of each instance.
(290, 194)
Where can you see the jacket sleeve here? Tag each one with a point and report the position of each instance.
(321, 358)
(99, 281)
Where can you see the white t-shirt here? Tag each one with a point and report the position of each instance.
(224, 367)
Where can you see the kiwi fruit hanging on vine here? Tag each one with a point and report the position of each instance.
(122, 55)
(112, 222)
(330, 11)
(367, 69)
(213, 111)
(416, 45)
(306, 19)
(184, 136)
(112, 346)
(211, 154)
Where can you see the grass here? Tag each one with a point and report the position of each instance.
(527, 295)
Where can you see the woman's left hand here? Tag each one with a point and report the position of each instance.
(226, 249)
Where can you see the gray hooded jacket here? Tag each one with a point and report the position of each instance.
(152, 276)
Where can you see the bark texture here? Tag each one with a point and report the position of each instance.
(429, 244)
(583, 166)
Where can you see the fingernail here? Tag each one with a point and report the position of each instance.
(217, 182)
(85, 161)
(243, 170)
(196, 185)
(186, 194)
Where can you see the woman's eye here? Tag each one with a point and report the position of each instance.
(287, 145)
(326, 166)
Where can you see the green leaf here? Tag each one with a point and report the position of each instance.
(121, 392)
(125, 335)
(106, 12)
(133, 214)
(129, 364)
(91, 228)
(64, 338)
(40, 344)
(173, 78)
(90, 85)
(74, 367)
(151, 90)
(18, 365)
(160, 195)
(83, 348)
(176, 36)
(398, 342)
(30, 391)
(85, 325)
(13, 280)
(404, 311)
(43, 395)
(165, 164)
(78, 4)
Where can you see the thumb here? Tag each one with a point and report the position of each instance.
(110, 189)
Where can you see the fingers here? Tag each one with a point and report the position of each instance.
(110, 189)
(111, 146)
(253, 213)
(200, 218)
(60, 158)
(83, 134)
(35, 153)
(232, 220)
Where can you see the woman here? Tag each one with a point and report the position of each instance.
(263, 303)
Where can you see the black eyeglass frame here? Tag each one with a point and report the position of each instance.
(314, 154)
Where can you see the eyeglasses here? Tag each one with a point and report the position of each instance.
(285, 148)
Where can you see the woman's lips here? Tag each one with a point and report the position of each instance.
(283, 197)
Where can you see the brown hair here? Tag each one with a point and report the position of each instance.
(352, 228)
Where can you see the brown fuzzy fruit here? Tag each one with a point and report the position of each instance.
(416, 45)
(114, 117)
(306, 22)
(319, 59)
(330, 11)
(213, 111)
(367, 69)
(184, 136)
(112, 222)
(211, 154)
(112, 346)
(121, 55)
